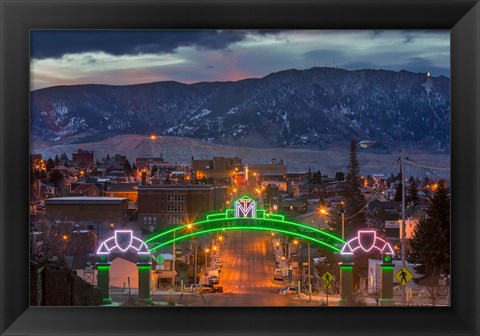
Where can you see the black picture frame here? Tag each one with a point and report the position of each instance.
(17, 17)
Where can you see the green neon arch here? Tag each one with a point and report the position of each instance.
(220, 220)
(254, 217)
(182, 235)
(245, 228)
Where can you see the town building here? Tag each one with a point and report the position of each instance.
(83, 158)
(102, 211)
(220, 169)
(163, 205)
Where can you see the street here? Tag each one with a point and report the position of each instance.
(246, 276)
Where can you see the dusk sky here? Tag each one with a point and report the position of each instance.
(122, 57)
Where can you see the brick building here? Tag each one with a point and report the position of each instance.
(219, 168)
(83, 158)
(161, 205)
(87, 209)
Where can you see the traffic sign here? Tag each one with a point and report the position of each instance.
(403, 276)
(292, 283)
(327, 277)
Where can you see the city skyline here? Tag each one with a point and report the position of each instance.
(123, 57)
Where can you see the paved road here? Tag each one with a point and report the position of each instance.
(247, 275)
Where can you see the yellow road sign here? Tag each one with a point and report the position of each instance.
(327, 285)
(327, 278)
(403, 276)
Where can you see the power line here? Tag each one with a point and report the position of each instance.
(373, 198)
(426, 167)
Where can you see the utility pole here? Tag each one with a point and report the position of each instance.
(195, 262)
(173, 262)
(402, 165)
(301, 265)
(309, 275)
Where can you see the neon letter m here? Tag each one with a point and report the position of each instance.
(245, 208)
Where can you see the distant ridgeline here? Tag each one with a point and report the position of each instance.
(318, 107)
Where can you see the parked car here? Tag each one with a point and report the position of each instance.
(207, 288)
(218, 263)
(213, 279)
(278, 276)
(288, 291)
(192, 287)
(213, 289)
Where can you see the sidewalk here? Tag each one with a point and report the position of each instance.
(279, 253)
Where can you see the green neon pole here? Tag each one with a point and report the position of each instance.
(245, 228)
(346, 268)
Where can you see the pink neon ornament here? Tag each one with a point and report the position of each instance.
(367, 240)
(121, 242)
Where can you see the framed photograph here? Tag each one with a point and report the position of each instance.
(239, 168)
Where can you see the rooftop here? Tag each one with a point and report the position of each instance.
(84, 199)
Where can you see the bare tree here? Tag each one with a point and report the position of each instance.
(433, 288)
(376, 289)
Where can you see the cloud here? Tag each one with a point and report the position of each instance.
(56, 43)
(121, 57)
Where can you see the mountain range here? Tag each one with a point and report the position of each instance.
(314, 108)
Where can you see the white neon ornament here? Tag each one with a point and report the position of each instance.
(367, 241)
(245, 207)
(121, 242)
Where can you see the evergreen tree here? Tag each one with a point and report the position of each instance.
(127, 167)
(412, 197)
(154, 170)
(354, 196)
(57, 160)
(339, 176)
(309, 175)
(55, 177)
(431, 239)
(318, 177)
(50, 164)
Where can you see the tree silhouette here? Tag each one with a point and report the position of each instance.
(412, 197)
(354, 196)
(431, 239)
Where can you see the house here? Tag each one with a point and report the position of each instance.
(126, 190)
(85, 189)
(293, 205)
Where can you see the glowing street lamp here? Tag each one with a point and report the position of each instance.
(206, 253)
(65, 239)
(342, 213)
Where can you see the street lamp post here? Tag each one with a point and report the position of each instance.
(342, 213)
(173, 262)
(309, 275)
(206, 251)
(365, 144)
(402, 165)
(195, 262)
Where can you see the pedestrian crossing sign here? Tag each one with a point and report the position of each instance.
(327, 277)
(403, 276)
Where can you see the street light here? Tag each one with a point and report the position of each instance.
(206, 251)
(325, 212)
(65, 239)
(366, 144)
